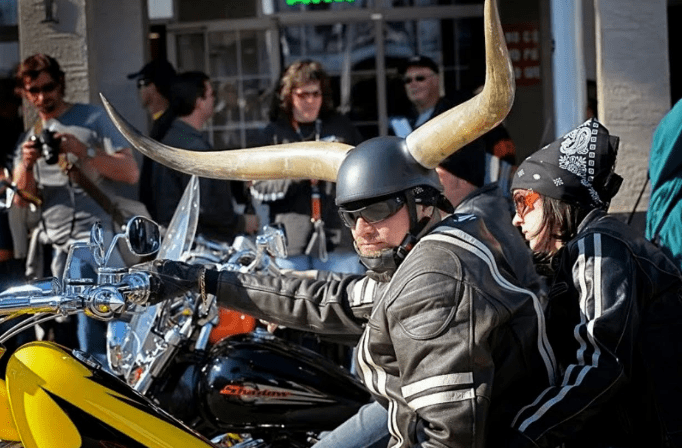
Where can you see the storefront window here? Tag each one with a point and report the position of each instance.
(8, 12)
(9, 37)
(191, 52)
(276, 6)
(244, 58)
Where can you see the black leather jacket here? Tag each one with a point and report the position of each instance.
(619, 297)
(452, 346)
(289, 201)
(489, 203)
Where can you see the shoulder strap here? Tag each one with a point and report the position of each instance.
(96, 193)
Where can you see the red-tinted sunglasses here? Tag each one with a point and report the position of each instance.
(524, 202)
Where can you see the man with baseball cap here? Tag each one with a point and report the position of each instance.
(422, 86)
(154, 81)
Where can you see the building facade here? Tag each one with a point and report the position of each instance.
(621, 53)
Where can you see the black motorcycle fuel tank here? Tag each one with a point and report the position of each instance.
(257, 379)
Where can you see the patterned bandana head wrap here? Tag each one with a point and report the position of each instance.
(578, 168)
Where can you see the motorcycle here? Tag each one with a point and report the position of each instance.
(165, 384)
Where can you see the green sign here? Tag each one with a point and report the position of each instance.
(316, 2)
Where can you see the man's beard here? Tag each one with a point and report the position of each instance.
(368, 253)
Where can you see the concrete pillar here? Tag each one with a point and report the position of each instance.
(568, 65)
(97, 43)
(633, 87)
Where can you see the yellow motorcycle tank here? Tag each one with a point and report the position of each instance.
(57, 400)
(8, 431)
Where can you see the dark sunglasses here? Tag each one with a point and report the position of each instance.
(47, 88)
(143, 83)
(524, 203)
(418, 78)
(372, 213)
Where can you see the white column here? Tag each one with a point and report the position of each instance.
(568, 65)
(633, 86)
(96, 42)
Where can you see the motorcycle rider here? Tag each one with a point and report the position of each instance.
(613, 316)
(462, 175)
(453, 344)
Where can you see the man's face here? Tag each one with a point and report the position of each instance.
(44, 93)
(373, 238)
(207, 102)
(421, 85)
(147, 91)
(306, 102)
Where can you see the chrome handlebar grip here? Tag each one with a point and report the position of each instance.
(35, 304)
(101, 302)
(136, 287)
(104, 302)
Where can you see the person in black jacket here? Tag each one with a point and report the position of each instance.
(421, 77)
(462, 176)
(614, 316)
(422, 87)
(154, 82)
(453, 344)
(304, 112)
(450, 347)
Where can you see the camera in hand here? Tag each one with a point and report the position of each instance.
(49, 145)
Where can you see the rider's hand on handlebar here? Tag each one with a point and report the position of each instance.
(171, 278)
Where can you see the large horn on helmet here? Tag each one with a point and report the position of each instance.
(450, 131)
(303, 160)
(429, 144)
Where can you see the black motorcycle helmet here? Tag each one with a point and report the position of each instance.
(380, 168)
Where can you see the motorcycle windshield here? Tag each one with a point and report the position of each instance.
(183, 225)
(125, 339)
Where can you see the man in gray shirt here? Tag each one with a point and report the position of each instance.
(84, 138)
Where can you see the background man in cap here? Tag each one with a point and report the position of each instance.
(422, 86)
(154, 82)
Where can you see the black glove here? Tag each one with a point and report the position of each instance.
(171, 278)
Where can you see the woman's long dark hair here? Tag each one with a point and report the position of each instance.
(561, 219)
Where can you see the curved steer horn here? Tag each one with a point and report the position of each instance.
(429, 144)
(445, 134)
(303, 160)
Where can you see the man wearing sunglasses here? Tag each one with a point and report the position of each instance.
(462, 176)
(450, 343)
(90, 151)
(420, 75)
(154, 82)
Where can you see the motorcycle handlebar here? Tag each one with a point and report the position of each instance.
(99, 301)
(41, 304)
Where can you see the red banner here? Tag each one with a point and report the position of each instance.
(523, 41)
